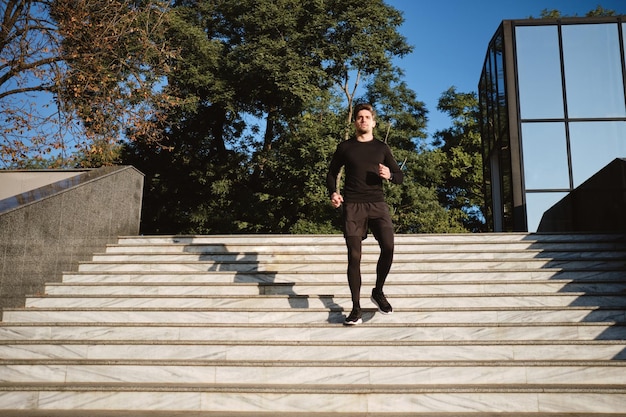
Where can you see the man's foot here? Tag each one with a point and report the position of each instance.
(354, 317)
(381, 302)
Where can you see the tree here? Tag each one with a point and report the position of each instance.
(401, 124)
(292, 197)
(360, 42)
(76, 76)
(242, 62)
(273, 57)
(460, 189)
(29, 59)
(556, 14)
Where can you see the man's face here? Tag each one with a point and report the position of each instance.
(364, 122)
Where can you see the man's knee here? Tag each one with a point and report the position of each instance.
(354, 248)
(386, 239)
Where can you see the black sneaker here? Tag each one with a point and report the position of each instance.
(354, 317)
(381, 302)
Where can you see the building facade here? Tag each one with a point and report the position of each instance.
(553, 113)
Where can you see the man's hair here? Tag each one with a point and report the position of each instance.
(365, 106)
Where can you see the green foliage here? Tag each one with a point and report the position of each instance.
(234, 108)
(556, 14)
(239, 137)
(600, 11)
(75, 74)
(244, 64)
(414, 204)
(460, 161)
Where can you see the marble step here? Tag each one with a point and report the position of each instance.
(402, 301)
(372, 330)
(253, 324)
(337, 239)
(336, 288)
(369, 246)
(332, 314)
(493, 250)
(318, 256)
(319, 351)
(379, 372)
(346, 351)
(339, 276)
(412, 265)
(370, 400)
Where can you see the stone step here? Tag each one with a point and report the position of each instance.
(302, 373)
(222, 399)
(402, 301)
(339, 276)
(509, 315)
(336, 288)
(302, 351)
(330, 333)
(252, 325)
(319, 256)
(337, 239)
(369, 246)
(411, 265)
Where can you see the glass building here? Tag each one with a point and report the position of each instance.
(553, 112)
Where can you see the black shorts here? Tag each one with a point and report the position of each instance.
(359, 217)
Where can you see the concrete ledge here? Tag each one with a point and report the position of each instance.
(13, 183)
(597, 205)
(49, 230)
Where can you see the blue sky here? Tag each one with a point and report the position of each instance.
(450, 39)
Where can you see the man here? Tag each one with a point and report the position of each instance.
(367, 163)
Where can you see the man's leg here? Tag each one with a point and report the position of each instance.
(382, 229)
(386, 243)
(355, 228)
(354, 268)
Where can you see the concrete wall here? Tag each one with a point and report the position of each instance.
(49, 230)
(597, 205)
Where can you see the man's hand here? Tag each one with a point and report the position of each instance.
(384, 172)
(336, 199)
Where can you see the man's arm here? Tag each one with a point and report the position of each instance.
(396, 175)
(336, 162)
(336, 198)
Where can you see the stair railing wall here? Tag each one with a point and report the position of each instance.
(597, 205)
(49, 230)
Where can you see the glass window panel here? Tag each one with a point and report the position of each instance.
(500, 87)
(593, 71)
(539, 72)
(594, 145)
(537, 204)
(545, 156)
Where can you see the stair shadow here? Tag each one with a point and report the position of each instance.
(609, 305)
(266, 280)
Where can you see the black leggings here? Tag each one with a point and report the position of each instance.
(385, 238)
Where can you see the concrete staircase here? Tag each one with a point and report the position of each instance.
(246, 325)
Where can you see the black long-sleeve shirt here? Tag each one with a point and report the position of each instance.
(362, 184)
